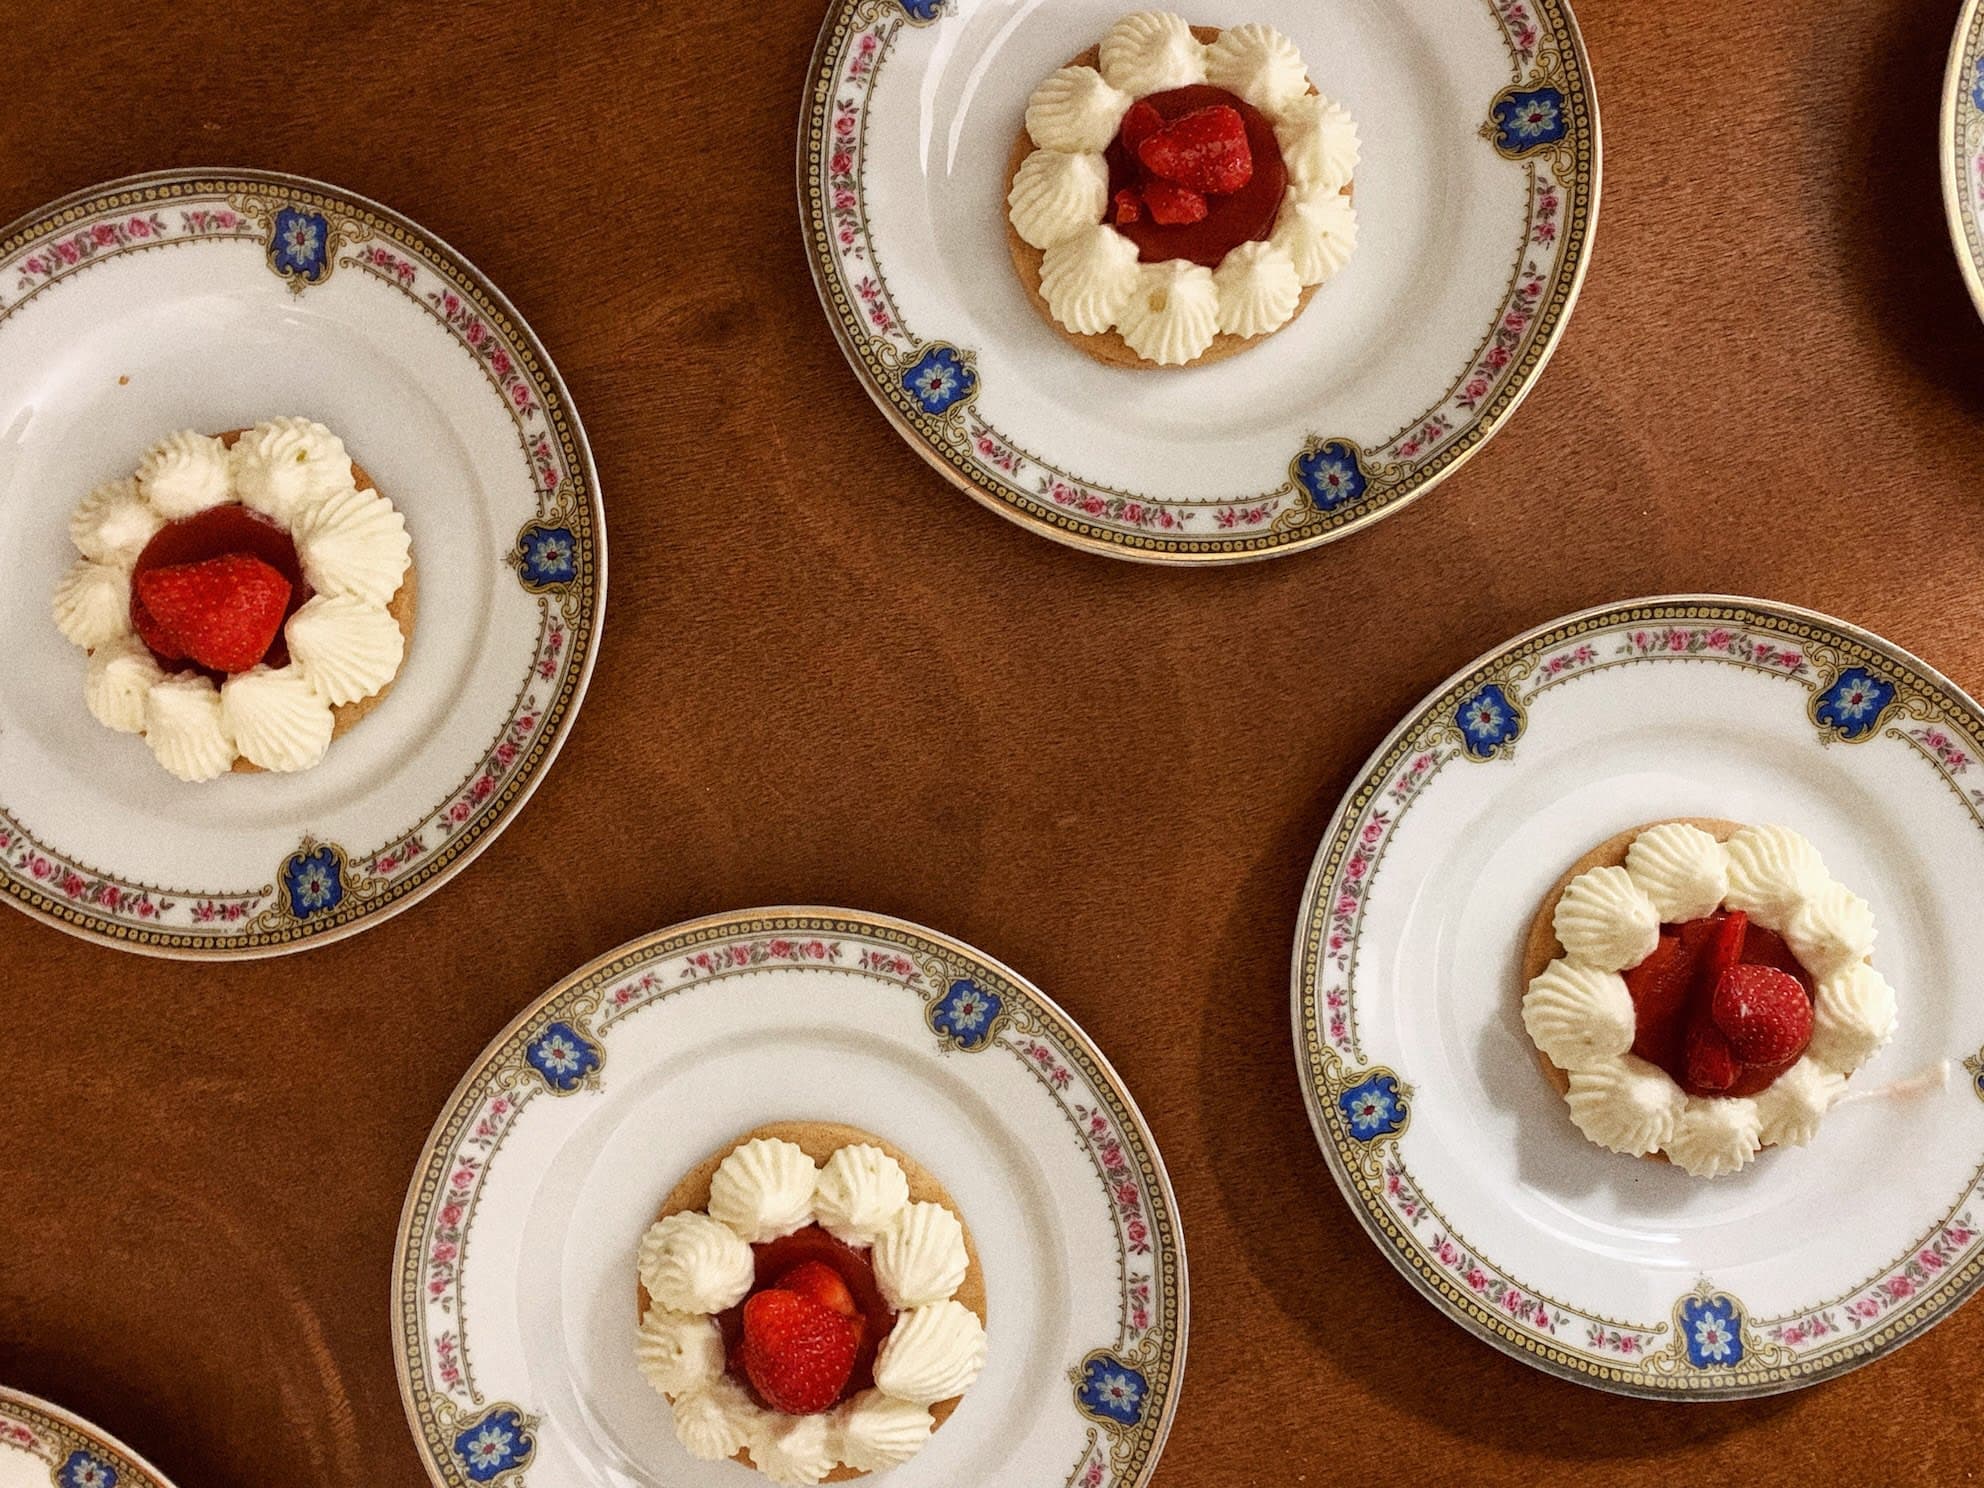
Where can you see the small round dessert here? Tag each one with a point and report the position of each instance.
(1698, 990)
(245, 598)
(811, 1304)
(1178, 193)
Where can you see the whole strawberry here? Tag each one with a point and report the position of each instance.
(1764, 1013)
(222, 613)
(818, 1280)
(798, 1353)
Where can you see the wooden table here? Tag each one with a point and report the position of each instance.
(829, 678)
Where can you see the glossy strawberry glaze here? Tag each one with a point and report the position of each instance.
(774, 1259)
(1246, 216)
(1761, 947)
(216, 533)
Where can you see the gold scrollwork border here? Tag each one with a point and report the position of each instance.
(578, 1000)
(1289, 529)
(1769, 1366)
(356, 219)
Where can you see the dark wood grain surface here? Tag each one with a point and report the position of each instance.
(827, 677)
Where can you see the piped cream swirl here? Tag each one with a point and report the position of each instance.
(1172, 315)
(1056, 195)
(1605, 920)
(1088, 277)
(93, 603)
(121, 675)
(1715, 1136)
(185, 729)
(277, 719)
(764, 1189)
(1319, 144)
(353, 542)
(933, 1353)
(920, 1258)
(185, 473)
(1077, 111)
(878, 1431)
(1681, 869)
(1259, 290)
(860, 1193)
(1626, 1105)
(1579, 1015)
(691, 1263)
(1151, 52)
(346, 648)
(113, 523)
(1259, 64)
(286, 466)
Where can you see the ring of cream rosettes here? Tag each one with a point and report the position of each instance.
(1170, 312)
(699, 1263)
(344, 643)
(1578, 1011)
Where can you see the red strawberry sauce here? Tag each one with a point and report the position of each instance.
(1675, 983)
(777, 1257)
(216, 533)
(1246, 216)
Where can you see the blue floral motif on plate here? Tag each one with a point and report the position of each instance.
(563, 1056)
(313, 882)
(1112, 1391)
(939, 379)
(966, 1014)
(1374, 1108)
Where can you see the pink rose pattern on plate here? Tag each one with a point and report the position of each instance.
(38, 873)
(1141, 1361)
(856, 45)
(1918, 1287)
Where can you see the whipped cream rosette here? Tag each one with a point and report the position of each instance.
(270, 539)
(770, 1210)
(1650, 907)
(1102, 269)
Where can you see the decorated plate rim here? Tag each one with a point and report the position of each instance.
(95, 1436)
(710, 924)
(1314, 1100)
(1950, 151)
(588, 633)
(818, 92)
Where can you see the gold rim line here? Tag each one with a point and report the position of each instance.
(1950, 165)
(1210, 557)
(713, 925)
(96, 1436)
(1534, 1352)
(553, 381)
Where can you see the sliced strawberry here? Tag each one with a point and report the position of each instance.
(1174, 206)
(818, 1280)
(1711, 1066)
(1659, 988)
(1129, 206)
(1206, 150)
(797, 1353)
(1139, 124)
(1764, 1013)
(1724, 950)
(1696, 934)
(151, 632)
(1763, 947)
(222, 613)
